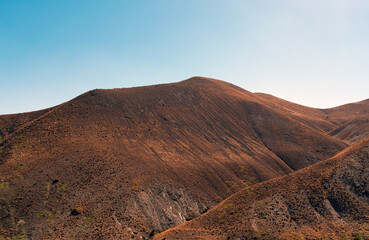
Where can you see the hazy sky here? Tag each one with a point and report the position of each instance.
(313, 52)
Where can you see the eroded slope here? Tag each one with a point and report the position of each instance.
(329, 200)
(353, 130)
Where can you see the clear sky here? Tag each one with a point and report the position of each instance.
(311, 52)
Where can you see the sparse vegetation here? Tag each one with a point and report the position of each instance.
(132, 118)
(136, 185)
(1, 142)
(76, 211)
(10, 193)
(152, 233)
(358, 236)
(90, 218)
(246, 181)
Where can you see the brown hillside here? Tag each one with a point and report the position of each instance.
(348, 122)
(328, 200)
(315, 118)
(321, 119)
(347, 112)
(131, 160)
(10, 123)
(354, 130)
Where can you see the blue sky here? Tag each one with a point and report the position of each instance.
(312, 52)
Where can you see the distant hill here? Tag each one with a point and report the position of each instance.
(123, 162)
(328, 200)
(353, 130)
(347, 112)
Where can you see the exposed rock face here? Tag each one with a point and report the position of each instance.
(131, 162)
(327, 200)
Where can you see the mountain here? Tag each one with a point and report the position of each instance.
(328, 200)
(120, 163)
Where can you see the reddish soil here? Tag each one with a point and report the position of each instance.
(126, 163)
(328, 200)
(354, 130)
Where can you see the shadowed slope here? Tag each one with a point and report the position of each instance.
(348, 122)
(315, 118)
(320, 119)
(354, 130)
(328, 200)
(147, 157)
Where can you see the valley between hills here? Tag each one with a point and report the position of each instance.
(197, 159)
